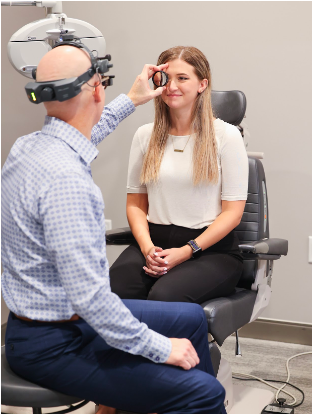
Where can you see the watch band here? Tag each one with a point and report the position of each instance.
(196, 249)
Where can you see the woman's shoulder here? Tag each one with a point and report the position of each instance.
(225, 132)
(145, 131)
(143, 135)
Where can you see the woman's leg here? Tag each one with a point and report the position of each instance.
(127, 277)
(210, 276)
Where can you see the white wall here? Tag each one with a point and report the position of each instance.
(261, 48)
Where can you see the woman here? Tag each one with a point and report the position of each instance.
(187, 188)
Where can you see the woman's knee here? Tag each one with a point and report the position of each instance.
(161, 292)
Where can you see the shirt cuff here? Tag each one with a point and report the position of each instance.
(137, 190)
(158, 348)
(122, 106)
(241, 197)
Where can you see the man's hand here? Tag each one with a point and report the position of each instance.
(183, 354)
(140, 93)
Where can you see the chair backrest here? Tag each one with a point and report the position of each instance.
(255, 221)
(230, 106)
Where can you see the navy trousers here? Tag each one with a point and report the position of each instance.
(72, 358)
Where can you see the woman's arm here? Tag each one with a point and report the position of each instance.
(229, 218)
(137, 208)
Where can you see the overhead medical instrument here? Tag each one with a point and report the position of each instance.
(30, 43)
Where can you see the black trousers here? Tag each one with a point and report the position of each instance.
(214, 274)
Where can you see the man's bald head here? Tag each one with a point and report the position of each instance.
(63, 62)
(66, 62)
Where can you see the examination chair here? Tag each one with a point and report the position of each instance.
(226, 315)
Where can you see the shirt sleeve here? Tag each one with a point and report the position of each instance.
(234, 166)
(115, 112)
(73, 221)
(135, 166)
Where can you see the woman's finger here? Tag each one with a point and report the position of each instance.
(157, 269)
(152, 262)
(150, 272)
(159, 260)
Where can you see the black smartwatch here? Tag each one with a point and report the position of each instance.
(197, 251)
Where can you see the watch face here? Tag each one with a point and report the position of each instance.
(197, 252)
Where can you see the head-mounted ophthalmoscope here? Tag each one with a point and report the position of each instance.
(64, 89)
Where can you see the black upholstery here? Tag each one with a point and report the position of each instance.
(17, 392)
(254, 225)
(215, 355)
(266, 247)
(230, 106)
(226, 315)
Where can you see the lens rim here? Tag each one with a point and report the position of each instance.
(166, 76)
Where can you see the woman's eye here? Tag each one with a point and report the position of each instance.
(182, 78)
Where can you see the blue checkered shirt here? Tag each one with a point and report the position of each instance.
(53, 235)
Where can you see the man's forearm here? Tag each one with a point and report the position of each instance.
(113, 113)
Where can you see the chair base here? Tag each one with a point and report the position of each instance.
(240, 399)
(249, 400)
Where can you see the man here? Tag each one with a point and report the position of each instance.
(67, 331)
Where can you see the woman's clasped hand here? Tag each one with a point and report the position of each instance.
(159, 261)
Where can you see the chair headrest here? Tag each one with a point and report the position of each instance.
(230, 106)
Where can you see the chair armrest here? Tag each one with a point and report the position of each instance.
(266, 248)
(119, 236)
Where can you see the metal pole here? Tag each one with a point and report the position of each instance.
(238, 352)
(19, 3)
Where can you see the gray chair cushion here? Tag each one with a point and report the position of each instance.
(215, 356)
(17, 392)
(230, 106)
(226, 315)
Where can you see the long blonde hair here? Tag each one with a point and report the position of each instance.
(205, 166)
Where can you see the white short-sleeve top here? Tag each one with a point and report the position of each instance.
(174, 199)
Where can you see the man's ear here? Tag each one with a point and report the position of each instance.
(97, 93)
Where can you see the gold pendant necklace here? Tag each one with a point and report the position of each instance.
(179, 150)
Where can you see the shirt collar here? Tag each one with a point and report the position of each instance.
(76, 140)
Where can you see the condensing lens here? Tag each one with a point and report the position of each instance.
(160, 78)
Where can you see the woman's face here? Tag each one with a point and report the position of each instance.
(183, 86)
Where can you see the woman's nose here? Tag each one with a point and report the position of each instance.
(172, 85)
